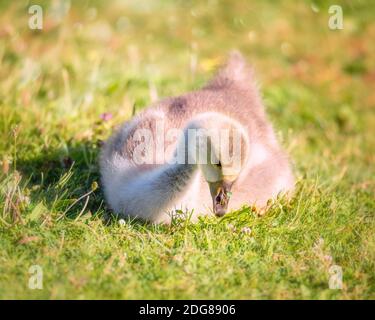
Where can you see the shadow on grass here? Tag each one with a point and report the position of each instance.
(65, 178)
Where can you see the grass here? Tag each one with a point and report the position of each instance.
(55, 83)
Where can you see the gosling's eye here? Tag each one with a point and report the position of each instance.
(219, 165)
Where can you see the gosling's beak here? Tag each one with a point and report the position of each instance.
(220, 192)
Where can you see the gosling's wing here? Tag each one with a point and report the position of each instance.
(236, 73)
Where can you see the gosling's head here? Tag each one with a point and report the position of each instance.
(222, 150)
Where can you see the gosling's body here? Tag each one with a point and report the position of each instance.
(153, 191)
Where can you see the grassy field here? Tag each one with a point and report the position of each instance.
(115, 57)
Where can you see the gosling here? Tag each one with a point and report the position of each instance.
(209, 151)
